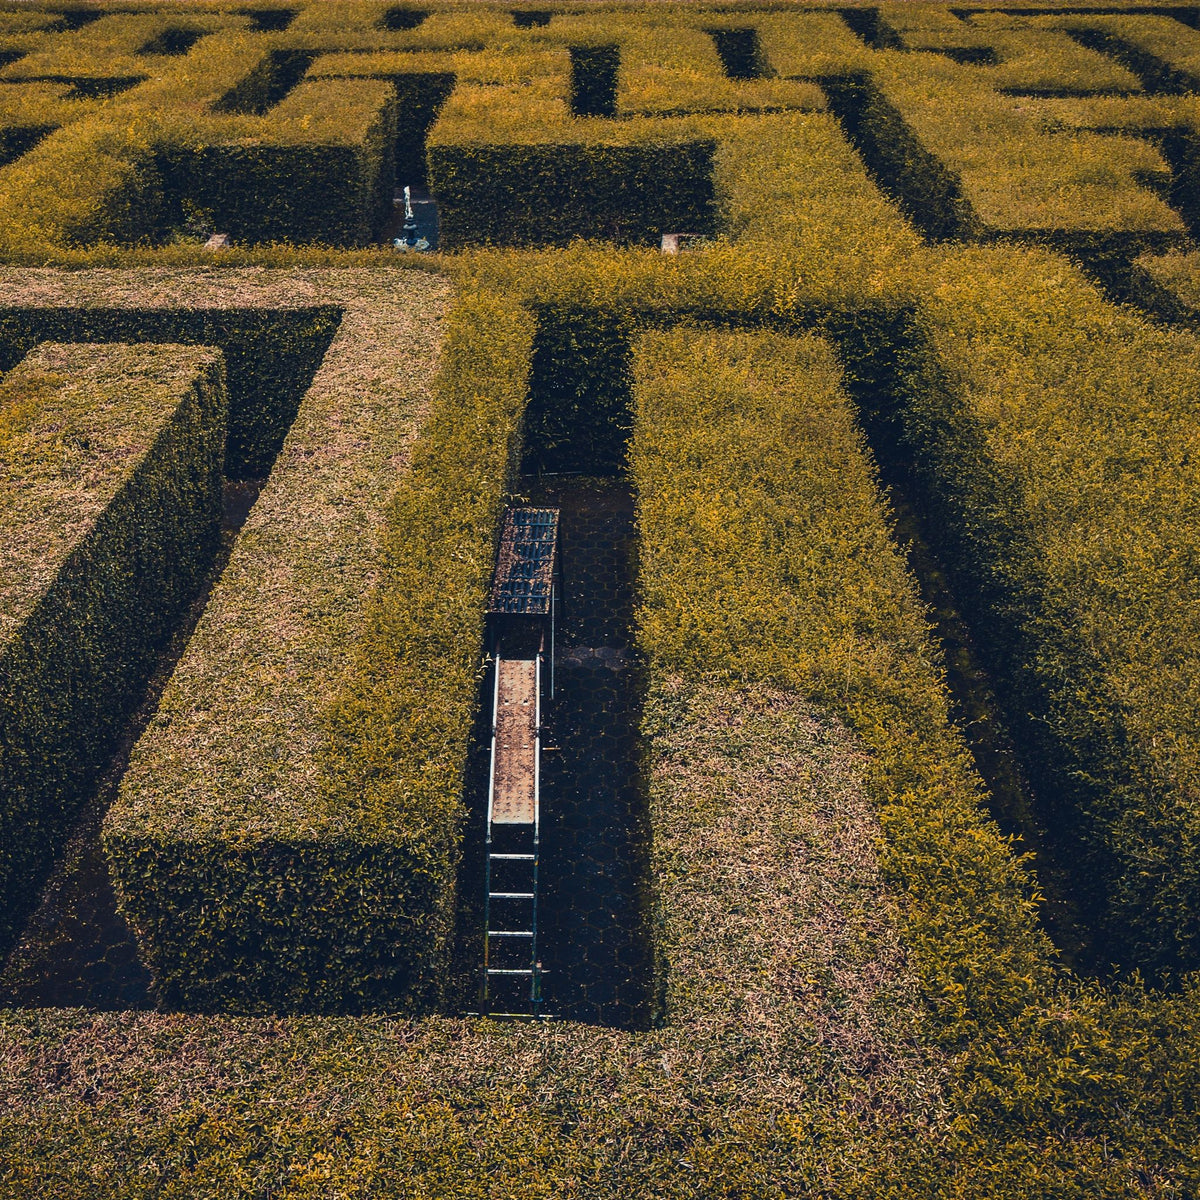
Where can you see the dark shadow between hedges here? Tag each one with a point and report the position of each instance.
(270, 359)
(1033, 788)
(595, 944)
(76, 949)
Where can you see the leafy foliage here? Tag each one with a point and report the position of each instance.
(220, 846)
(856, 997)
(111, 477)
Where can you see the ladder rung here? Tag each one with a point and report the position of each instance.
(511, 895)
(514, 857)
(509, 971)
(510, 933)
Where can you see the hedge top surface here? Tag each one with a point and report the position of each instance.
(75, 421)
(242, 753)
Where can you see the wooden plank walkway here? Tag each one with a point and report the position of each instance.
(515, 780)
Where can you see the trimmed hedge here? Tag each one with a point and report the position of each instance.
(1164, 54)
(321, 168)
(17, 140)
(786, 1068)
(318, 165)
(86, 183)
(1010, 52)
(808, 45)
(1040, 1087)
(401, 721)
(1036, 59)
(766, 558)
(97, 179)
(111, 485)
(1070, 520)
(792, 185)
(274, 76)
(1074, 186)
(514, 195)
(270, 357)
(766, 555)
(1176, 278)
(935, 28)
(669, 68)
(253, 880)
(509, 166)
(420, 96)
(994, 171)
(929, 194)
(111, 47)
(30, 112)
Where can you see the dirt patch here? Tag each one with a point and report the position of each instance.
(777, 931)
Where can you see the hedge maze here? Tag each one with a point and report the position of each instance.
(911, 433)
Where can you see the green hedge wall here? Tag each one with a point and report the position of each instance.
(547, 195)
(322, 169)
(766, 558)
(105, 184)
(594, 80)
(270, 357)
(1163, 52)
(419, 97)
(111, 485)
(1022, 176)
(579, 418)
(280, 193)
(1069, 519)
(262, 863)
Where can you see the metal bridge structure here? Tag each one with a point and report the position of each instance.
(521, 621)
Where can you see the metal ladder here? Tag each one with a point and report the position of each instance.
(510, 955)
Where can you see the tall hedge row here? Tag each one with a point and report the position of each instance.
(1021, 177)
(770, 566)
(267, 83)
(1053, 437)
(259, 871)
(210, 135)
(766, 556)
(535, 195)
(423, 84)
(111, 476)
(225, 136)
(270, 356)
(321, 170)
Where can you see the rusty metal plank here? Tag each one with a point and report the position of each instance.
(515, 778)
